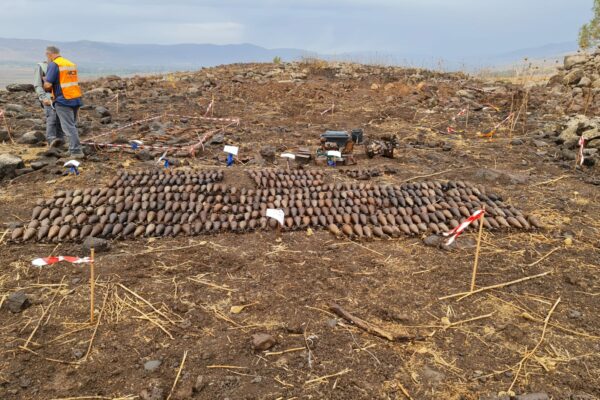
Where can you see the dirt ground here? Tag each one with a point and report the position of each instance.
(171, 299)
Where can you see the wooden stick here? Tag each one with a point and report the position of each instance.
(43, 315)
(87, 353)
(474, 274)
(147, 302)
(278, 353)
(532, 352)
(225, 366)
(499, 285)
(544, 257)
(426, 176)
(7, 128)
(92, 284)
(322, 378)
(362, 324)
(178, 374)
(405, 392)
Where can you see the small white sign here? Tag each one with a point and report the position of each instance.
(334, 153)
(277, 214)
(288, 155)
(231, 150)
(72, 163)
(162, 157)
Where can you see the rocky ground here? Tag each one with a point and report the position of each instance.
(253, 315)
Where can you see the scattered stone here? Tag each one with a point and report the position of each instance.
(332, 322)
(200, 384)
(574, 314)
(102, 111)
(432, 377)
(39, 164)
(20, 87)
(17, 302)
(433, 241)
(268, 153)
(572, 60)
(144, 155)
(540, 143)
(106, 120)
(152, 365)
(15, 108)
(154, 393)
(98, 244)
(573, 77)
(24, 382)
(532, 396)
(263, 341)
(77, 353)
(219, 138)
(31, 137)
(9, 163)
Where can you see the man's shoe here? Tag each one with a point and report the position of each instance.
(77, 156)
(57, 143)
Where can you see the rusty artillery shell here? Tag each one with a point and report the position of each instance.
(29, 233)
(17, 233)
(63, 232)
(85, 231)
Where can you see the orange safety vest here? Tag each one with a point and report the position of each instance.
(67, 78)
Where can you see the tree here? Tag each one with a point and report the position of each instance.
(589, 34)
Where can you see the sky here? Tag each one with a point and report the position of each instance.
(457, 28)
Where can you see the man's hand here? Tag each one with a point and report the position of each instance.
(47, 86)
(47, 102)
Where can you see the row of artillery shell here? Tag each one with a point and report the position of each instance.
(140, 210)
(164, 181)
(284, 173)
(170, 224)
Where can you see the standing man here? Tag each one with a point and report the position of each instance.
(54, 134)
(62, 81)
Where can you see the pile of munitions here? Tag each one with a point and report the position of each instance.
(170, 203)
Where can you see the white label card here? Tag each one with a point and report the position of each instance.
(231, 150)
(334, 153)
(277, 214)
(288, 155)
(72, 163)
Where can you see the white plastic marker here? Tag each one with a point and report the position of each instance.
(288, 157)
(276, 214)
(334, 153)
(135, 144)
(231, 150)
(73, 165)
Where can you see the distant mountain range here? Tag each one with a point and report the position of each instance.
(97, 58)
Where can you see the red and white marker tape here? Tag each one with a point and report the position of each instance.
(499, 124)
(460, 114)
(210, 106)
(40, 262)
(581, 143)
(330, 109)
(454, 233)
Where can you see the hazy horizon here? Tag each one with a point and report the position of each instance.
(436, 28)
